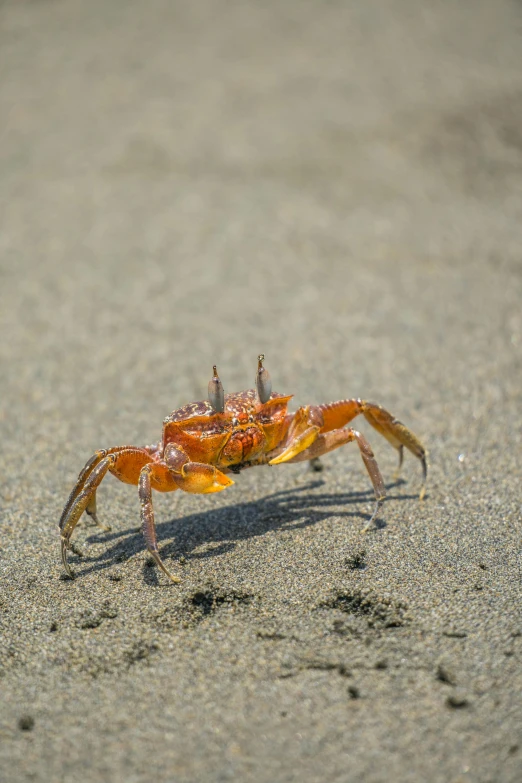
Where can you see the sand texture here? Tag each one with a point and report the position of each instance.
(339, 186)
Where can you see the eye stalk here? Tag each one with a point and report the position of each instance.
(263, 381)
(216, 395)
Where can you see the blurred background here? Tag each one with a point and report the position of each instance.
(335, 184)
(191, 183)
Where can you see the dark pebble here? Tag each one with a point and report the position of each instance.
(77, 550)
(455, 634)
(457, 699)
(26, 723)
(357, 562)
(446, 674)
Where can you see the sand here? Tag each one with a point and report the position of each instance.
(339, 186)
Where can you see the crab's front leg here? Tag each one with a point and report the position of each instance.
(147, 516)
(175, 470)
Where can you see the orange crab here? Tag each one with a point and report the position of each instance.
(205, 441)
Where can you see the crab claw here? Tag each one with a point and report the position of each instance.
(298, 445)
(198, 478)
(221, 482)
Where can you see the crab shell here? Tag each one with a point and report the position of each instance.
(246, 429)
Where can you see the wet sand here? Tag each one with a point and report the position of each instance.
(339, 187)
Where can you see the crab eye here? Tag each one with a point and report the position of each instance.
(216, 395)
(263, 382)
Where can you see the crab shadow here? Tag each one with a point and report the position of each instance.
(221, 528)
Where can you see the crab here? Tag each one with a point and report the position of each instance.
(204, 442)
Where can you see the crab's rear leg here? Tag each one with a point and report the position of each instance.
(86, 471)
(124, 461)
(80, 483)
(338, 414)
(329, 441)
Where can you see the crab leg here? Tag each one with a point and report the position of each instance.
(82, 478)
(329, 441)
(147, 519)
(79, 505)
(338, 414)
(80, 483)
(123, 461)
(176, 469)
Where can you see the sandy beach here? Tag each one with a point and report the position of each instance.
(337, 186)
